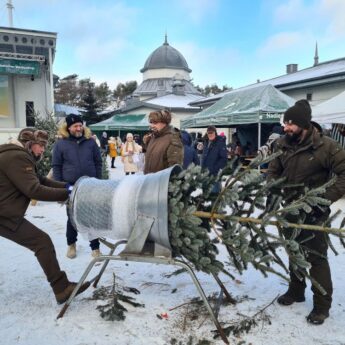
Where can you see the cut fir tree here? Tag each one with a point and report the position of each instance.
(248, 217)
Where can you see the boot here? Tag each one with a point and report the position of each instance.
(96, 253)
(288, 299)
(71, 251)
(63, 296)
(317, 317)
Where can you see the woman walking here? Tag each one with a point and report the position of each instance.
(130, 153)
(112, 150)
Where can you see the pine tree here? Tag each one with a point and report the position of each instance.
(240, 219)
(90, 105)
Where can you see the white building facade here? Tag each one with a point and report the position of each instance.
(26, 78)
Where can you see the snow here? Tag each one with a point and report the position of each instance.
(28, 309)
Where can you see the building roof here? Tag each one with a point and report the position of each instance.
(154, 85)
(166, 57)
(174, 101)
(319, 74)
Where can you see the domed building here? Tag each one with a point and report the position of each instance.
(166, 85)
(165, 71)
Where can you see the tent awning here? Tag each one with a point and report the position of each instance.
(260, 104)
(330, 111)
(137, 122)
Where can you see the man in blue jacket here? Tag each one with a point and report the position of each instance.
(74, 156)
(214, 156)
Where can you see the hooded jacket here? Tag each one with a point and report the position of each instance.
(164, 150)
(19, 183)
(76, 157)
(311, 162)
(215, 155)
(190, 154)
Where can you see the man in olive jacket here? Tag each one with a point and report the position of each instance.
(309, 158)
(19, 183)
(163, 146)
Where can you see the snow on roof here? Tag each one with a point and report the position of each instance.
(319, 72)
(174, 101)
(64, 109)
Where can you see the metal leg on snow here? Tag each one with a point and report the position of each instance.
(226, 292)
(81, 281)
(204, 298)
(113, 248)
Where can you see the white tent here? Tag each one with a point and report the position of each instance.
(330, 111)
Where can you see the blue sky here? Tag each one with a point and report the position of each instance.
(228, 42)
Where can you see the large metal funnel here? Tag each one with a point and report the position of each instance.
(114, 208)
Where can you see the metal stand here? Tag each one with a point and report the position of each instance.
(148, 258)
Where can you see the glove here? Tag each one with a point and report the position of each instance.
(319, 214)
(69, 188)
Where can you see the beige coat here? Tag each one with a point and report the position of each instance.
(129, 148)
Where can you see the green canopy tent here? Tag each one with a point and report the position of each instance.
(258, 104)
(132, 122)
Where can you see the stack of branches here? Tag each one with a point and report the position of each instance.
(248, 216)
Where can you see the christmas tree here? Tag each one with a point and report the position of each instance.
(248, 217)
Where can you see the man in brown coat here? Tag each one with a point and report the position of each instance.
(309, 158)
(164, 146)
(19, 183)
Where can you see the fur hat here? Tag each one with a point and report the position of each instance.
(71, 119)
(29, 136)
(299, 114)
(163, 116)
(211, 129)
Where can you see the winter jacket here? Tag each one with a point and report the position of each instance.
(311, 162)
(112, 149)
(128, 164)
(19, 183)
(215, 155)
(164, 150)
(76, 157)
(190, 154)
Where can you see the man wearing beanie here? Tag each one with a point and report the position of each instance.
(308, 159)
(74, 156)
(163, 145)
(19, 183)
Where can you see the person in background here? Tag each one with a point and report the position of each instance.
(94, 137)
(112, 145)
(104, 144)
(190, 154)
(308, 159)
(74, 156)
(215, 155)
(164, 146)
(130, 151)
(19, 182)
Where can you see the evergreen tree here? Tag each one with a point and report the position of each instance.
(49, 125)
(90, 104)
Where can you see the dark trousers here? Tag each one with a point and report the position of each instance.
(132, 173)
(72, 236)
(113, 162)
(319, 271)
(31, 237)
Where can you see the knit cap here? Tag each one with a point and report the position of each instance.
(299, 114)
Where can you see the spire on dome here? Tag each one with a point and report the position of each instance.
(166, 39)
(316, 57)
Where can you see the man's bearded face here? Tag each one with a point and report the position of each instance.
(293, 132)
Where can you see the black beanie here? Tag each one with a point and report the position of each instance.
(71, 119)
(299, 114)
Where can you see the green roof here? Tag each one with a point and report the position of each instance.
(123, 122)
(258, 104)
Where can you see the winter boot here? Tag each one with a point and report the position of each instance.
(317, 317)
(63, 296)
(71, 251)
(288, 299)
(96, 253)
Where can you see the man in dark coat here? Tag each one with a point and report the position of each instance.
(74, 156)
(309, 158)
(215, 154)
(163, 145)
(19, 183)
(190, 154)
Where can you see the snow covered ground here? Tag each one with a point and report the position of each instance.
(28, 309)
